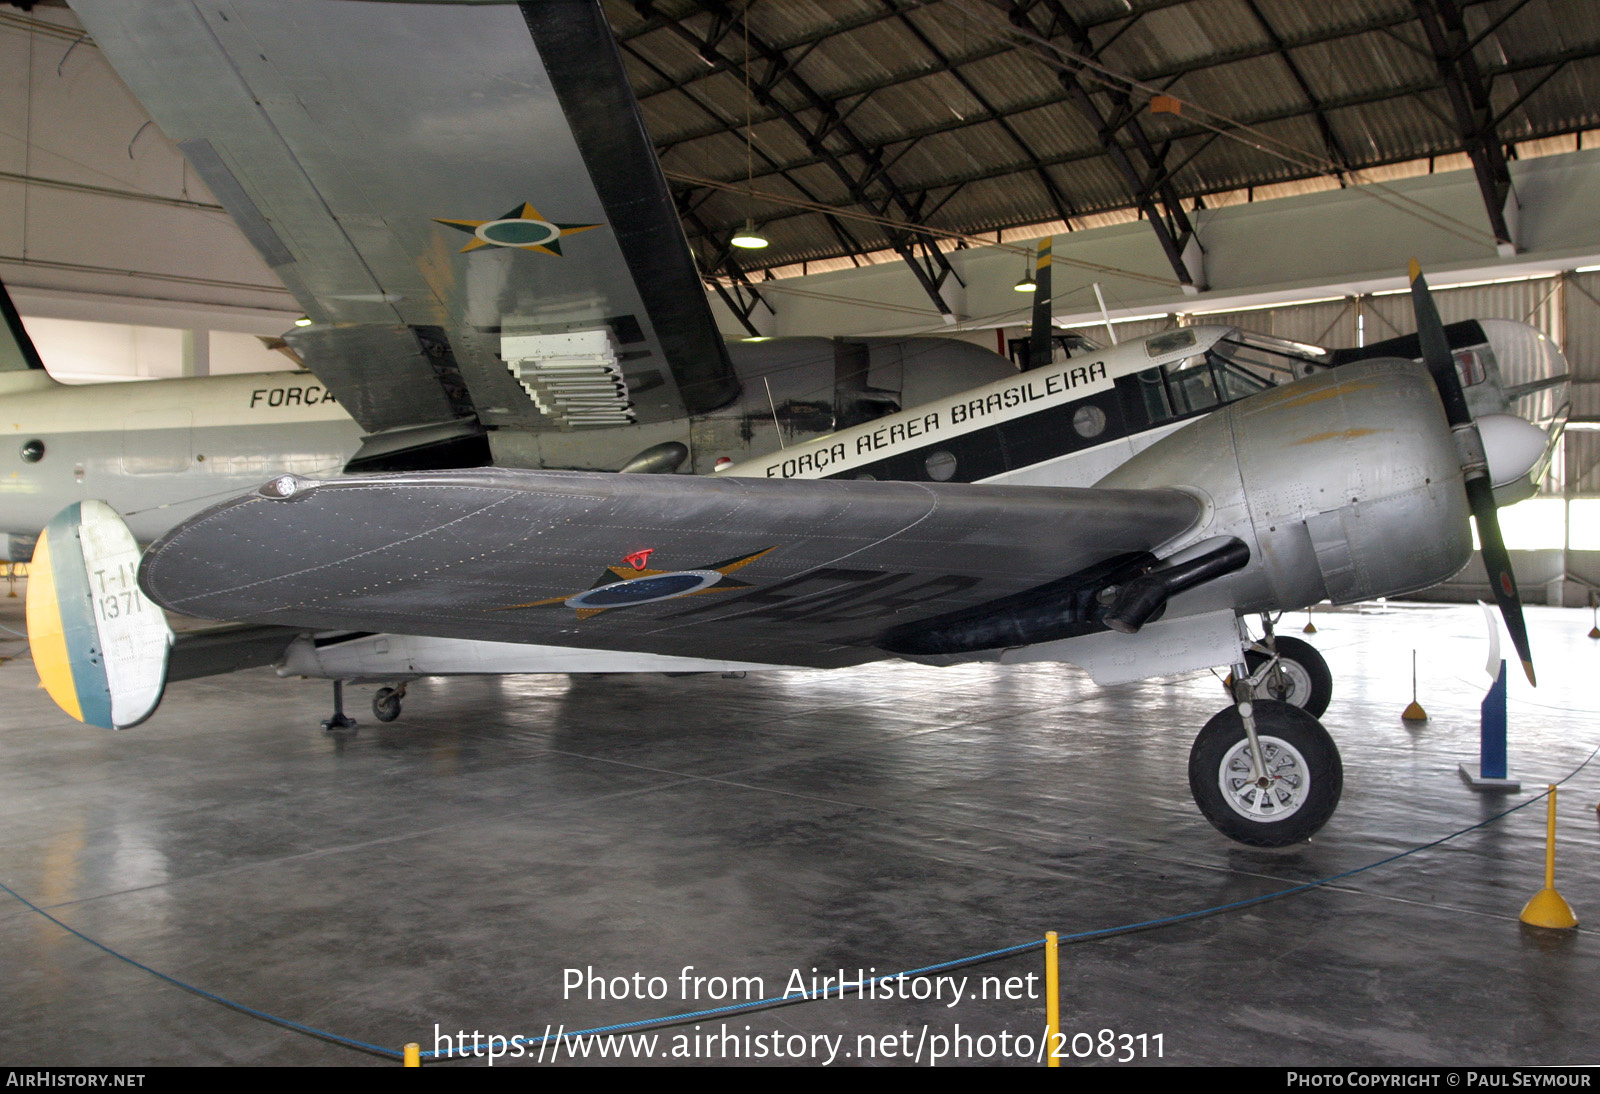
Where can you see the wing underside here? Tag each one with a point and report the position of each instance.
(428, 180)
(781, 571)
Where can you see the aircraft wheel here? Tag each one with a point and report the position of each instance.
(1304, 775)
(1302, 678)
(386, 705)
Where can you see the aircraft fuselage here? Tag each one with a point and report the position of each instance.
(159, 452)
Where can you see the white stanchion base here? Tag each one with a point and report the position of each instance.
(1472, 773)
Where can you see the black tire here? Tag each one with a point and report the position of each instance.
(386, 705)
(1302, 760)
(1303, 678)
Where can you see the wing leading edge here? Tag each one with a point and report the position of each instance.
(798, 572)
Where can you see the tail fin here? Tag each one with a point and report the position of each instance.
(1041, 344)
(16, 348)
(100, 646)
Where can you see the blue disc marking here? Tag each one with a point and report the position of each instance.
(643, 590)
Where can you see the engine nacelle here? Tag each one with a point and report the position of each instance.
(1345, 486)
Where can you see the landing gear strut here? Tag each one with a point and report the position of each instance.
(1299, 676)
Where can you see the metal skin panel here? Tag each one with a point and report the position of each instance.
(354, 129)
(349, 360)
(1345, 486)
(813, 571)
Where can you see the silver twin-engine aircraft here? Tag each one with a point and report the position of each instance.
(457, 507)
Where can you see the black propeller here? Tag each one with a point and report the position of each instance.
(1474, 465)
(1041, 346)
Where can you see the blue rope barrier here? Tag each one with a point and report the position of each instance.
(808, 996)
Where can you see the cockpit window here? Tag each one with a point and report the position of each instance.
(1236, 365)
(1171, 342)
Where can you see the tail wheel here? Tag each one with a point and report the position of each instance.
(1301, 678)
(386, 704)
(1292, 800)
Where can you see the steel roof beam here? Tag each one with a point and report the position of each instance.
(1468, 91)
(1207, 135)
(1335, 151)
(1365, 98)
(846, 238)
(1000, 48)
(1062, 206)
(938, 271)
(1159, 203)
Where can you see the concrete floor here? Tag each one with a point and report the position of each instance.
(448, 868)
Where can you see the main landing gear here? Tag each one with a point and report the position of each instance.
(1290, 671)
(1264, 771)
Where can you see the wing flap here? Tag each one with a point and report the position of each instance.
(784, 571)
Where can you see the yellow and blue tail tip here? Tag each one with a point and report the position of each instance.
(99, 646)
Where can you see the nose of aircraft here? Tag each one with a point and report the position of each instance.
(1513, 446)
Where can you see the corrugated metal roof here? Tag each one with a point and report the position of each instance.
(938, 112)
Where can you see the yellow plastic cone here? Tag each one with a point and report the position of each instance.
(1414, 712)
(1549, 908)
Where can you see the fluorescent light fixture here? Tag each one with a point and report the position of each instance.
(749, 238)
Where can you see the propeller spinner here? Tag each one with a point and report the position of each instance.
(1475, 465)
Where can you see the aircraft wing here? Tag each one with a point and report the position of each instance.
(783, 571)
(429, 179)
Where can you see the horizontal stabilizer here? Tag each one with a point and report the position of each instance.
(99, 644)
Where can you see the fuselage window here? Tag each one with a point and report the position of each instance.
(1089, 421)
(941, 466)
(32, 451)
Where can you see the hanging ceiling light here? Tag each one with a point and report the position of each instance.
(1027, 284)
(749, 238)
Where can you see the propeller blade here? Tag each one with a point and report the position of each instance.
(1436, 351)
(1041, 345)
(1474, 464)
(1497, 560)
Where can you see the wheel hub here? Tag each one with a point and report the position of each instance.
(1287, 682)
(1276, 795)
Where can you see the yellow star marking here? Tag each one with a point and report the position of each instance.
(550, 244)
(628, 573)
